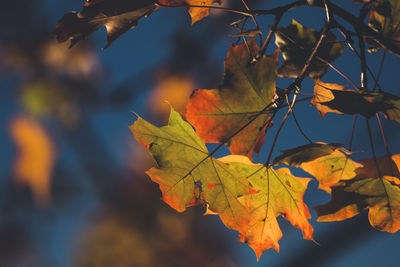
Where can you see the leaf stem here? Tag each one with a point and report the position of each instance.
(361, 45)
(388, 154)
(254, 20)
(371, 142)
(268, 39)
(295, 87)
(378, 76)
(353, 128)
(349, 41)
(297, 123)
(278, 131)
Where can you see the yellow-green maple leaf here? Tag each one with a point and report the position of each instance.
(188, 175)
(328, 163)
(279, 194)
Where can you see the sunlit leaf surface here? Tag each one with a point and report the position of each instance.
(248, 88)
(368, 190)
(187, 175)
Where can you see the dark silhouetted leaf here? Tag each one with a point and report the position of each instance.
(297, 43)
(366, 104)
(385, 19)
(118, 16)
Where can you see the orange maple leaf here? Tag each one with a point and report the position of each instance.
(196, 13)
(248, 88)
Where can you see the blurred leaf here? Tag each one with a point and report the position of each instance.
(111, 242)
(248, 88)
(172, 89)
(297, 43)
(186, 173)
(78, 63)
(381, 195)
(279, 194)
(44, 98)
(36, 157)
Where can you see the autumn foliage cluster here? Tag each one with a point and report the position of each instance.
(248, 197)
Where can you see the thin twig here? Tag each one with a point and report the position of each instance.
(371, 142)
(377, 165)
(361, 45)
(349, 42)
(355, 21)
(378, 76)
(353, 128)
(388, 154)
(295, 87)
(307, 65)
(278, 132)
(254, 20)
(268, 39)
(297, 123)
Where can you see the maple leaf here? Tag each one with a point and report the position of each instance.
(364, 103)
(188, 175)
(322, 93)
(118, 16)
(248, 88)
(35, 159)
(297, 42)
(279, 194)
(196, 13)
(328, 163)
(379, 194)
(385, 19)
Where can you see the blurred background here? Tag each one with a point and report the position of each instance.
(73, 189)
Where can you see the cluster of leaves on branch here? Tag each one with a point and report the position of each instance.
(248, 197)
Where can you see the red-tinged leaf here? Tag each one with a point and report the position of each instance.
(323, 93)
(188, 176)
(364, 103)
(118, 16)
(379, 194)
(281, 194)
(247, 89)
(297, 42)
(328, 163)
(196, 13)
